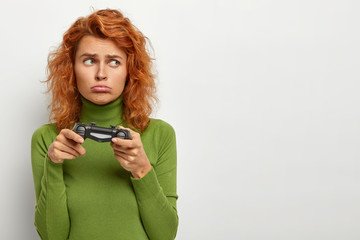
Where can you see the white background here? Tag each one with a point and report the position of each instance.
(263, 96)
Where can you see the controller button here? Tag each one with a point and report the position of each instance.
(81, 131)
(121, 135)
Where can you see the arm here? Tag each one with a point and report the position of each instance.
(51, 213)
(156, 191)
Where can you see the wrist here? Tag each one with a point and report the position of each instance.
(142, 172)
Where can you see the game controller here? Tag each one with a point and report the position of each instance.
(100, 134)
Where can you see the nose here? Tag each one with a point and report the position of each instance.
(101, 74)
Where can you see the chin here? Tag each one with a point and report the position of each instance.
(102, 100)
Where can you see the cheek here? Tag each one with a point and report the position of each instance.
(80, 76)
(77, 74)
(120, 77)
(81, 83)
(124, 74)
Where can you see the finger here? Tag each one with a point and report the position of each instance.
(128, 151)
(61, 147)
(76, 146)
(120, 147)
(133, 134)
(70, 143)
(124, 155)
(68, 156)
(121, 157)
(128, 158)
(125, 143)
(69, 134)
(119, 154)
(124, 164)
(59, 155)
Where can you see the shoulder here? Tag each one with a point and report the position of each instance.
(49, 128)
(161, 127)
(159, 140)
(158, 133)
(45, 133)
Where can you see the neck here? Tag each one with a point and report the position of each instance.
(103, 115)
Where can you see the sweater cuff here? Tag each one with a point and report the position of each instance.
(146, 187)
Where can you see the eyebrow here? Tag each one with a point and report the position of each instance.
(95, 55)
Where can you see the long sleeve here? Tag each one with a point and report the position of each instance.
(51, 213)
(156, 191)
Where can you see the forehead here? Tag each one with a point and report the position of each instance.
(94, 45)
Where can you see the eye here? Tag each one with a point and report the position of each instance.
(114, 63)
(89, 61)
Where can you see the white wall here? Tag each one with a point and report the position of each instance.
(263, 95)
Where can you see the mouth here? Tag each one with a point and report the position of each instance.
(100, 89)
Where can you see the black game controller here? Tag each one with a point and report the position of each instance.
(100, 134)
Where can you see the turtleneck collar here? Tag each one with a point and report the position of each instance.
(103, 115)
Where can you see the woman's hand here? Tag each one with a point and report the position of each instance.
(67, 145)
(131, 154)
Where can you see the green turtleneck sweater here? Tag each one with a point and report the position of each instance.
(93, 197)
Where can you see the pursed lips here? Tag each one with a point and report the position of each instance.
(100, 88)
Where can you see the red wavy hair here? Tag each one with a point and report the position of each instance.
(139, 91)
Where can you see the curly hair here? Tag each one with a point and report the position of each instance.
(139, 91)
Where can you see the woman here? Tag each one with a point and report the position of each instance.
(125, 189)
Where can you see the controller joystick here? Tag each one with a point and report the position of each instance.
(100, 134)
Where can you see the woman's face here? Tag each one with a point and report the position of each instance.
(100, 70)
